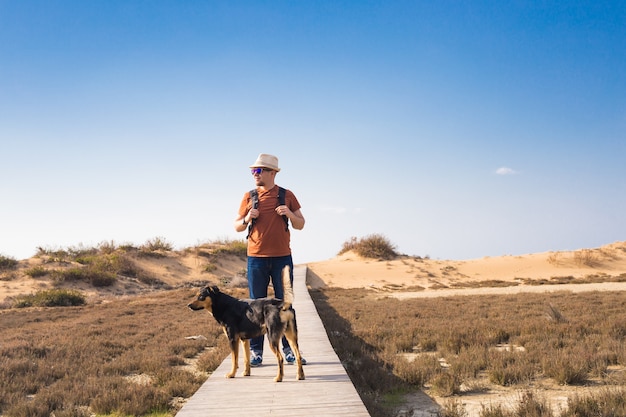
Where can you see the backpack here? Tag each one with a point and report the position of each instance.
(254, 196)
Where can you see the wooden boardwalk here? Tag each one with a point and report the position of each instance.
(326, 392)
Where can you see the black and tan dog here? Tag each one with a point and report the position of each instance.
(245, 319)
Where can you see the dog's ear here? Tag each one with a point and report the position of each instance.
(207, 292)
(203, 294)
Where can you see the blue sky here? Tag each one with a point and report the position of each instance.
(456, 129)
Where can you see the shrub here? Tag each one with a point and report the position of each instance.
(510, 368)
(107, 247)
(7, 262)
(446, 384)
(608, 403)
(492, 410)
(236, 247)
(566, 369)
(419, 371)
(53, 255)
(210, 360)
(51, 298)
(528, 406)
(96, 277)
(470, 361)
(36, 271)
(554, 314)
(531, 406)
(156, 244)
(130, 399)
(586, 257)
(453, 408)
(213, 250)
(102, 279)
(373, 246)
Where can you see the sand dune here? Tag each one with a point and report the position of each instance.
(601, 268)
(444, 277)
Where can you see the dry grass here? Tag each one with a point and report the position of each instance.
(120, 356)
(586, 257)
(77, 360)
(125, 356)
(569, 338)
(581, 258)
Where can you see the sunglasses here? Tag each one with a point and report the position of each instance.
(258, 171)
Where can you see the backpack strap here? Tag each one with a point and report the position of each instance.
(254, 196)
(281, 202)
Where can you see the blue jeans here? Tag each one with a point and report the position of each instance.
(260, 272)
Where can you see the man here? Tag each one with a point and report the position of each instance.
(269, 248)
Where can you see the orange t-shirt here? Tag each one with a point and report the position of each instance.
(268, 237)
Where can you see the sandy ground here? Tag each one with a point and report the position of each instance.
(418, 277)
(171, 269)
(405, 276)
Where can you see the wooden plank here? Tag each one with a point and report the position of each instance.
(326, 391)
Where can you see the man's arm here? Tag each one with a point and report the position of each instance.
(240, 226)
(241, 222)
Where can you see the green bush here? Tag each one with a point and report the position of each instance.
(36, 271)
(96, 277)
(7, 262)
(51, 298)
(233, 247)
(214, 249)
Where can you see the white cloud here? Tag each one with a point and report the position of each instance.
(505, 171)
(336, 210)
(339, 210)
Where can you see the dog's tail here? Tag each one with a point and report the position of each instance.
(287, 288)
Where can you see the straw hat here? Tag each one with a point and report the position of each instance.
(266, 161)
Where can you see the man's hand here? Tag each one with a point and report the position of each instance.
(283, 211)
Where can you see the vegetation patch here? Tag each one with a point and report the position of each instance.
(93, 276)
(449, 346)
(156, 248)
(374, 246)
(36, 272)
(77, 361)
(51, 298)
(7, 262)
(132, 358)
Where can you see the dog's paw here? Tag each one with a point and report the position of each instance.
(230, 375)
